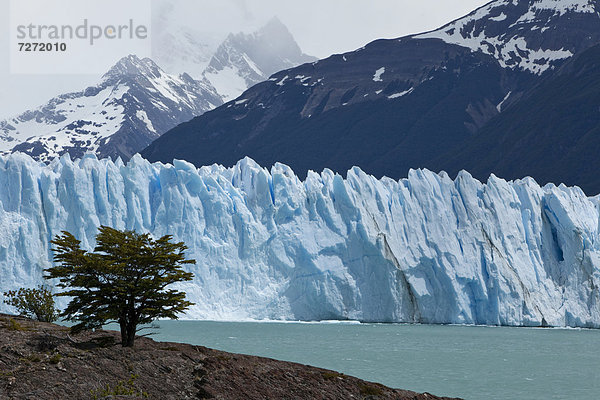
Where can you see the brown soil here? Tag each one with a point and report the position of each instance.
(43, 361)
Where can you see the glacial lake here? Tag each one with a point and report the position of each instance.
(465, 361)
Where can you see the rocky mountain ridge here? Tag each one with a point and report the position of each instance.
(137, 101)
(243, 60)
(133, 104)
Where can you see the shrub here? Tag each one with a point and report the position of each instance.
(34, 358)
(369, 390)
(33, 303)
(13, 325)
(329, 375)
(122, 388)
(55, 359)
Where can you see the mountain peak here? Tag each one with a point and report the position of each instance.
(564, 6)
(274, 26)
(273, 32)
(533, 35)
(244, 60)
(133, 104)
(132, 65)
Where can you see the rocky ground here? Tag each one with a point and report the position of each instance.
(43, 361)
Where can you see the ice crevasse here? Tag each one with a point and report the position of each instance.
(268, 245)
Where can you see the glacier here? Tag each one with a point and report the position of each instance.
(426, 249)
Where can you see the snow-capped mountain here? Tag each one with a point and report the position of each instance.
(137, 101)
(178, 48)
(423, 249)
(397, 104)
(233, 62)
(185, 51)
(134, 104)
(244, 60)
(532, 35)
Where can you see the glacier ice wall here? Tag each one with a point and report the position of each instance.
(423, 249)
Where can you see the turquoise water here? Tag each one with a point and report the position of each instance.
(469, 362)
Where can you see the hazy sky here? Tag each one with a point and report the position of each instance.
(321, 28)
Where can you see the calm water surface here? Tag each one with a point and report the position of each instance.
(469, 362)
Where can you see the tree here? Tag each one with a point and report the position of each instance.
(124, 280)
(33, 303)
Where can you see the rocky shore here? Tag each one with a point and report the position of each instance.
(43, 361)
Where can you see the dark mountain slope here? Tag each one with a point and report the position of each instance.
(553, 134)
(397, 104)
(323, 115)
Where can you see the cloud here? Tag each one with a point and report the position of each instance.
(321, 27)
(246, 10)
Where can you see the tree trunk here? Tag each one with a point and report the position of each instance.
(130, 335)
(129, 325)
(128, 331)
(123, 326)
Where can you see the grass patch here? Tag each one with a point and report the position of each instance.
(55, 359)
(30, 358)
(34, 358)
(122, 388)
(13, 325)
(329, 375)
(369, 390)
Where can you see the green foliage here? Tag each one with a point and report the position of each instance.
(124, 280)
(13, 325)
(122, 388)
(55, 358)
(34, 358)
(33, 303)
(369, 390)
(329, 375)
